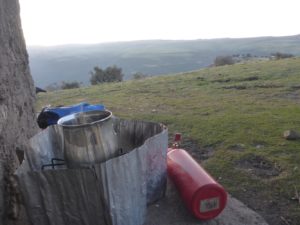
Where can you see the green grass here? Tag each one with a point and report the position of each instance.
(219, 107)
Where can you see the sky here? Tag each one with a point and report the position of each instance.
(57, 22)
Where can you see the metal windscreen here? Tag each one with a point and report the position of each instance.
(114, 192)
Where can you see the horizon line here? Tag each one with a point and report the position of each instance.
(146, 40)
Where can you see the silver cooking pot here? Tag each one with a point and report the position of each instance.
(88, 138)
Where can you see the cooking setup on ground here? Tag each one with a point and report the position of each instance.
(88, 167)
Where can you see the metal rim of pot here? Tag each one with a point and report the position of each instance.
(63, 120)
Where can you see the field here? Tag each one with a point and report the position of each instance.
(232, 119)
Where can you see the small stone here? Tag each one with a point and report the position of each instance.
(237, 147)
(295, 168)
(291, 135)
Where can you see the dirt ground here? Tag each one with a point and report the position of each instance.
(270, 211)
(171, 211)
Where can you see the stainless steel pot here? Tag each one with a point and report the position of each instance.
(88, 138)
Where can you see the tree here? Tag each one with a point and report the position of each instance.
(280, 55)
(70, 85)
(17, 96)
(110, 74)
(223, 60)
(97, 76)
(139, 75)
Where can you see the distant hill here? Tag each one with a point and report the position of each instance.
(155, 57)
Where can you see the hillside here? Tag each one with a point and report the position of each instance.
(232, 119)
(74, 62)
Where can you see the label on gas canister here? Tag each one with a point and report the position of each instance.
(209, 204)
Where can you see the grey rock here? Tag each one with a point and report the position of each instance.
(291, 135)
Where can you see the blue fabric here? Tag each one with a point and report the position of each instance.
(54, 114)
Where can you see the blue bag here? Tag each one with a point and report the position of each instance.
(50, 116)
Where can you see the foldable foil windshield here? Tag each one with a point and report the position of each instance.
(104, 181)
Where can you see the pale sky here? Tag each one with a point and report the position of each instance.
(55, 22)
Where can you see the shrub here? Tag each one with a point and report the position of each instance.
(53, 87)
(139, 75)
(70, 85)
(280, 55)
(110, 74)
(223, 60)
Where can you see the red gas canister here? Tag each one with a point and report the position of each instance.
(203, 196)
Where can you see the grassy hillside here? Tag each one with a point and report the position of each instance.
(74, 62)
(232, 119)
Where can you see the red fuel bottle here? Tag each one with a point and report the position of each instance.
(203, 196)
